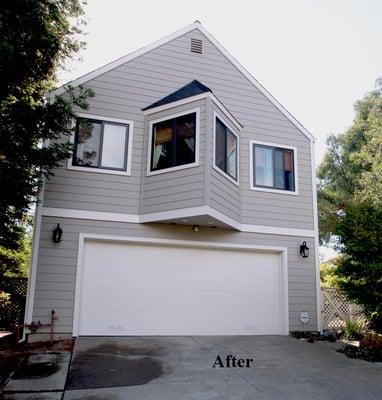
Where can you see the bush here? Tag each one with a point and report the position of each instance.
(353, 330)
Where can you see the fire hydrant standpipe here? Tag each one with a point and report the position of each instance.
(33, 326)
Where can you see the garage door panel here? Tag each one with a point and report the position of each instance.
(135, 289)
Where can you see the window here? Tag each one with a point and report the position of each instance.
(225, 149)
(273, 167)
(100, 144)
(173, 142)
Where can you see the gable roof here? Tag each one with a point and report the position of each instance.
(191, 89)
(168, 38)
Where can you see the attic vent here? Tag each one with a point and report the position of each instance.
(196, 46)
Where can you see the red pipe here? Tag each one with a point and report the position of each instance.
(33, 326)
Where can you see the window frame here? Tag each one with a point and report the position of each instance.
(103, 120)
(150, 148)
(252, 172)
(215, 167)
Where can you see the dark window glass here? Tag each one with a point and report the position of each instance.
(185, 140)
(225, 149)
(88, 139)
(173, 142)
(163, 145)
(220, 145)
(100, 144)
(273, 167)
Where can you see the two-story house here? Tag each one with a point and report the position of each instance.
(188, 206)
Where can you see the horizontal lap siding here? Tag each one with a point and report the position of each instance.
(175, 189)
(223, 195)
(57, 263)
(125, 90)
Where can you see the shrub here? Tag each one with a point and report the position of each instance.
(353, 330)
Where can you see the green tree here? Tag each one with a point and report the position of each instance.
(328, 275)
(352, 167)
(36, 37)
(350, 205)
(359, 268)
(15, 262)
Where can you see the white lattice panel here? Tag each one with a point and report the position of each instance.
(336, 309)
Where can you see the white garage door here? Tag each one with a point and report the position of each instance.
(146, 289)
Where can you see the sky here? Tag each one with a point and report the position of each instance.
(316, 57)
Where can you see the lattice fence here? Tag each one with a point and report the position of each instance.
(336, 310)
(12, 311)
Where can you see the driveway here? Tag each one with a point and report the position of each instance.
(182, 368)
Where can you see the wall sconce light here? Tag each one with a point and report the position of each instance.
(304, 250)
(195, 228)
(57, 234)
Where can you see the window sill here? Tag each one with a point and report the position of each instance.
(172, 169)
(98, 170)
(278, 191)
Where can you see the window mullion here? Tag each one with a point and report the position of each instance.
(101, 144)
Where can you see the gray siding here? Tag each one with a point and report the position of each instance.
(57, 263)
(124, 91)
(223, 195)
(174, 189)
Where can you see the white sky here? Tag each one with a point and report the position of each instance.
(316, 57)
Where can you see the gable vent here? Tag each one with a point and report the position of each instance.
(196, 46)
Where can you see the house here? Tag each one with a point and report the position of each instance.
(185, 208)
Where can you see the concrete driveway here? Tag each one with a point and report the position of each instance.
(182, 368)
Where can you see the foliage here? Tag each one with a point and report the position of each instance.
(328, 275)
(352, 167)
(36, 37)
(15, 262)
(353, 330)
(359, 268)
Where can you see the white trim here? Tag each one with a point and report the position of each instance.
(105, 118)
(28, 314)
(277, 230)
(251, 169)
(197, 142)
(94, 215)
(201, 96)
(129, 151)
(174, 214)
(316, 237)
(160, 42)
(223, 218)
(214, 166)
(284, 295)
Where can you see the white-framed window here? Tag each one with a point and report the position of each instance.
(173, 142)
(226, 150)
(101, 144)
(273, 167)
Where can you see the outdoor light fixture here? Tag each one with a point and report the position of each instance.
(304, 250)
(57, 234)
(195, 228)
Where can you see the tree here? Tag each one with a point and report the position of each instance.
(36, 37)
(350, 205)
(359, 269)
(352, 167)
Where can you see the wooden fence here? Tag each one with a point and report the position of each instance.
(336, 310)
